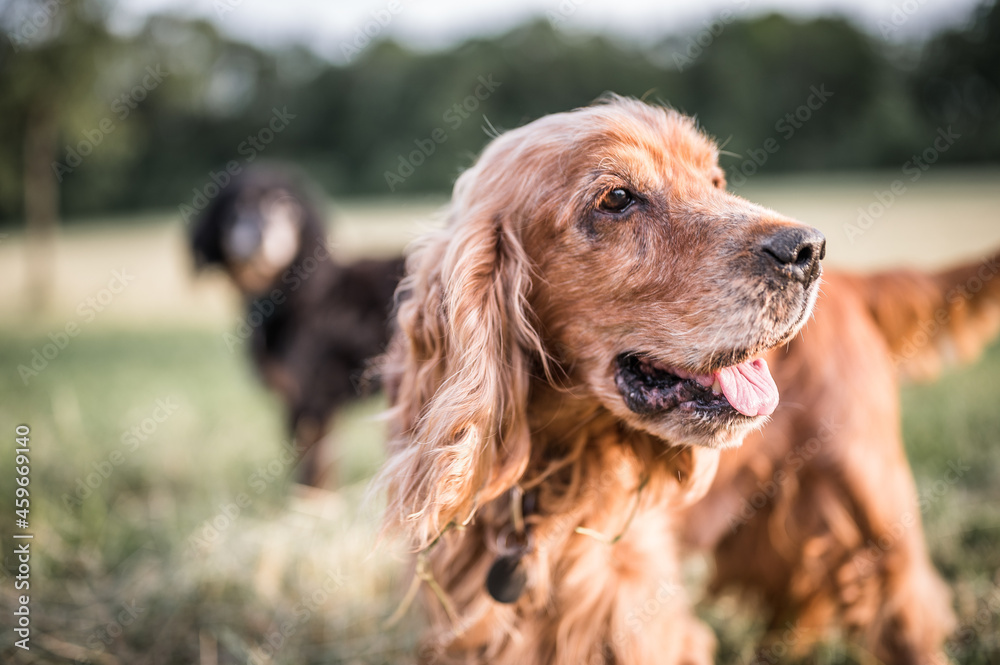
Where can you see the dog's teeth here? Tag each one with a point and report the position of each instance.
(717, 387)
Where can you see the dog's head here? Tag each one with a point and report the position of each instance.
(255, 228)
(660, 289)
(603, 241)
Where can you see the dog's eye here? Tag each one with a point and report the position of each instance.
(616, 200)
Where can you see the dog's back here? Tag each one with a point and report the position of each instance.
(932, 320)
(818, 512)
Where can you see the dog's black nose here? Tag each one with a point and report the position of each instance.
(795, 251)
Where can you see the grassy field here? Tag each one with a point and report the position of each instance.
(166, 527)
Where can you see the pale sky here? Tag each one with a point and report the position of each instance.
(325, 25)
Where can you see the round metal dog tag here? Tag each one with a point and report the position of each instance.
(506, 579)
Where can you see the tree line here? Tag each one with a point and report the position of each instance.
(95, 121)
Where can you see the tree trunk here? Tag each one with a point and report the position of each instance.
(41, 204)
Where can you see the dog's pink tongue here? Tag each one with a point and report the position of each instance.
(749, 388)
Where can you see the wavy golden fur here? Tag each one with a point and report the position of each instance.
(585, 253)
(817, 514)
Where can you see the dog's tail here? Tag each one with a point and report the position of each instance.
(932, 320)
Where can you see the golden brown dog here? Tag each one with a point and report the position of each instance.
(576, 348)
(818, 513)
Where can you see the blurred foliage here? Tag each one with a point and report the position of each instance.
(353, 123)
(151, 556)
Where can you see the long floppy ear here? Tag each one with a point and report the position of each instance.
(459, 372)
(206, 237)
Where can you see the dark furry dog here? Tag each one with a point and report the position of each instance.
(315, 322)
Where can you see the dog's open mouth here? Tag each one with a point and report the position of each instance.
(651, 387)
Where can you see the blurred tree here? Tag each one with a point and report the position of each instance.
(48, 70)
(350, 125)
(753, 82)
(958, 83)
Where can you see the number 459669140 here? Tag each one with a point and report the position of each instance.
(22, 467)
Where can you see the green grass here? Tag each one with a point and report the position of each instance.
(129, 544)
(165, 533)
(955, 424)
(197, 543)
